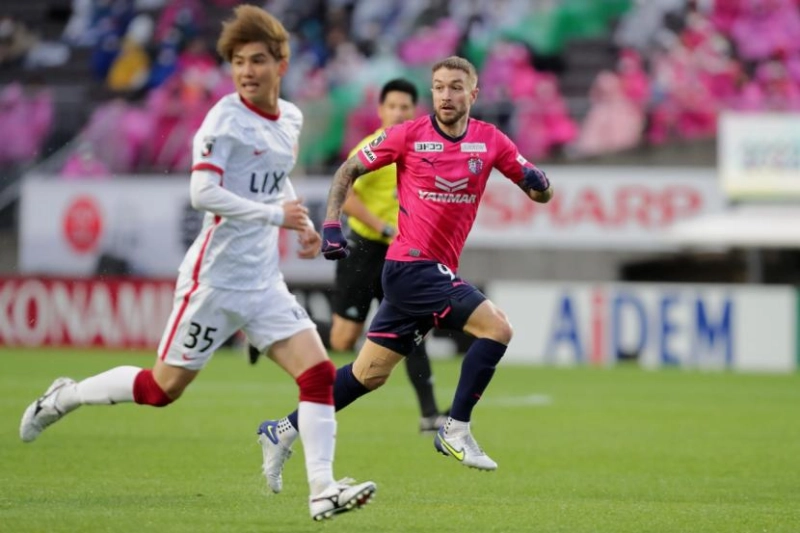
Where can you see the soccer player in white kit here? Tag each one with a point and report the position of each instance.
(229, 278)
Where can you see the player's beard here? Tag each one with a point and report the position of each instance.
(454, 118)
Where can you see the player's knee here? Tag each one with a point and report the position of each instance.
(503, 331)
(375, 382)
(498, 328)
(147, 392)
(372, 377)
(316, 383)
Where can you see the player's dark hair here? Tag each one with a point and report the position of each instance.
(458, 63)
(251, 24)
(402, 86)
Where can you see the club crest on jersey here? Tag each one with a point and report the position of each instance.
(208, 146)
(299, 313)
(378, 140)
(475, 165)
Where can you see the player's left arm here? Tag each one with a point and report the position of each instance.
(528, 177)
(536, 178)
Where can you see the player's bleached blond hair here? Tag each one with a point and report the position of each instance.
(252, 24)
(458, 63)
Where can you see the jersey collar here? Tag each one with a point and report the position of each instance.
(446, 136)
(257, 111)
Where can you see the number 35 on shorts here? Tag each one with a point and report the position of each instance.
(199, 335)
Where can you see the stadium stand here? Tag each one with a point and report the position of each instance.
(614, 82)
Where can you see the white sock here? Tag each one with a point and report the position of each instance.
(286, 432)
(317, 423)
(110, 387)
(455, 427)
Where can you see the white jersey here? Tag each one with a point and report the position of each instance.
(253, 152)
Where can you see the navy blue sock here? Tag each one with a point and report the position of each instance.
(477, 370)
(346, 390)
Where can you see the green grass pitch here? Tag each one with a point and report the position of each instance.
(580, 450)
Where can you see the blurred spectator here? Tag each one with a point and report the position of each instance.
(83, 164)
(362, 121)
(79, 31)
(542, 123)
(131, 68)
(614, 122)
(750, 98)
(196, 56)
(28, 113)
(633, 78)
(429, 44)
(642, 23)
(508, 65)
(166, 59)
(780, 91)
(15, 40)
(116, 133)
(762, 28)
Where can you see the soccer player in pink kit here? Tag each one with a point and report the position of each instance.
(229, 279)
(443, 164)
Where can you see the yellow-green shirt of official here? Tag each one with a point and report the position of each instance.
(378, 191)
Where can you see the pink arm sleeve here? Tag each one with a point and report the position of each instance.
(509, 161)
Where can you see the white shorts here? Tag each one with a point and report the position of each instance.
(203, 318)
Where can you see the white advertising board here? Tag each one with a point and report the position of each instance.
(759, 155)
(683, 325)
(596, 208)
(109, 313)
(73, 228)
(76, 228)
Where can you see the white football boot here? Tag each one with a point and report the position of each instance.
(461, 446)
(44, 411)
(341, 497)
(276, 438)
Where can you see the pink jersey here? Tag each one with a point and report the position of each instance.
(440, 182)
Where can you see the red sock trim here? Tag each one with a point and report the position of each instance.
(147, 392)
(316, 383)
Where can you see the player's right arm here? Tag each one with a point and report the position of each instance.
(343, 179)
(385, 149)
(211, 151)
(207, 194)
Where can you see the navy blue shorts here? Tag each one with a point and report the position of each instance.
(418, 296)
